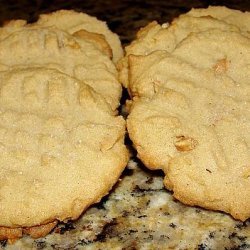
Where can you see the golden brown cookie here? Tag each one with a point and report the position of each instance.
(189, 114)
(56, 49)
(61, 149)
(200, 139)
(167, 36)
(72, 21)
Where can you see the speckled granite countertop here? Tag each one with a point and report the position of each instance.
(139, 213)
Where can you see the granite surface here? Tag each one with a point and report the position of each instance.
(139, 213)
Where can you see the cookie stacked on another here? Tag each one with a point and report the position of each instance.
(62, 145)
(190, 109)
(74, 43)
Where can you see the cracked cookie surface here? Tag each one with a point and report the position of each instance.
(53, 48)
(61, 147)
(189, 114)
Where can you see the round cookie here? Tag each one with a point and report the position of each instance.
(167, 36)
(72, 21)
(189, 113)
(53, 48)
(61, 149)
(200, 139)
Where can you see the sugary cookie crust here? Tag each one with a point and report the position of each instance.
(56, 49)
